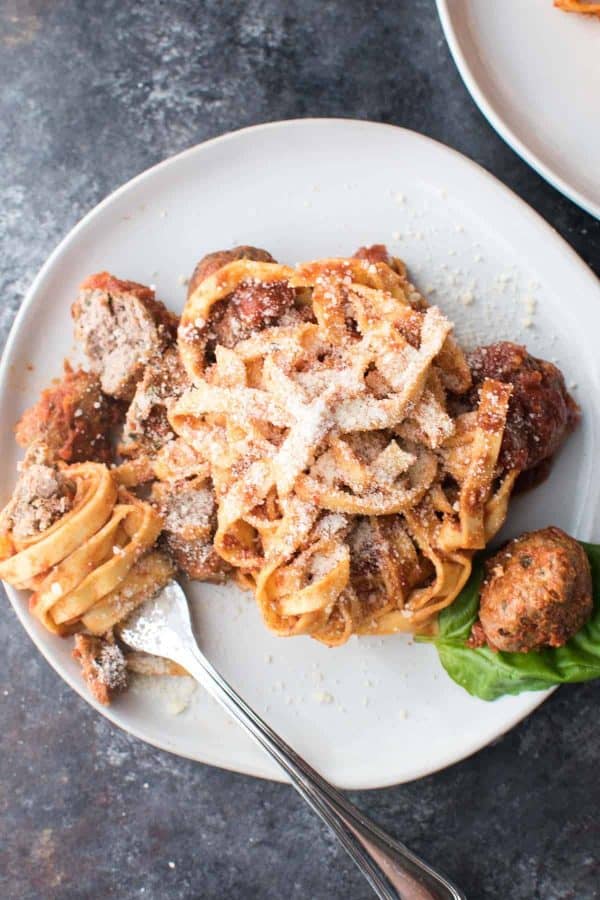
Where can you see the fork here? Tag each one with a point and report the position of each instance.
(162, 626)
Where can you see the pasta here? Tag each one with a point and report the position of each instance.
(88, 568)
(314, 434)
(349, 497)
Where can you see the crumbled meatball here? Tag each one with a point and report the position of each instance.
(103, 664)
(212, 262)
(41, 496)
(73, 418)
(537, 592)
(541, 412)
(122, 327)
(147, 426)
(190, 521)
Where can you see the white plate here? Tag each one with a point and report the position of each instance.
(304, 189)
(533, 71)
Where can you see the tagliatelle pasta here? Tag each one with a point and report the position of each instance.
(94, 500)
(88, 555)
(143, 579)
(350, 496)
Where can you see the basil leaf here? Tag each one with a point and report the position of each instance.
(490, 675)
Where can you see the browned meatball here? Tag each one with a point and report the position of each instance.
(210, 263)
(537, 592)
(73, 418)
(541, 411)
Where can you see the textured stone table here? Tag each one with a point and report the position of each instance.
(91, 94)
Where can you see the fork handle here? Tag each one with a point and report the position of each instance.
(393, 872)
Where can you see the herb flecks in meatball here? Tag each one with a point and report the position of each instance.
(537, 593)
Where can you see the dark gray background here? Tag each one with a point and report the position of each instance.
(91, 94)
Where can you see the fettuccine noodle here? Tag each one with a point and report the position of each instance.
(350, 498)
(85, 569)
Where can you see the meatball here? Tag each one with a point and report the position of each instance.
(122, 326)
(541, 412)
(147, 427)
(210, 263)
(103, 665)
(537, 592)
(190, 521)
(73, 418)
(252, 306)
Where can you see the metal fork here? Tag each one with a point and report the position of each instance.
(162, 626)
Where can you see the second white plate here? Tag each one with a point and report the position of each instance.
(374, 712)
(533, 71)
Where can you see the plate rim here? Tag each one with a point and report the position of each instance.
(111, 713)
(499, 123)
